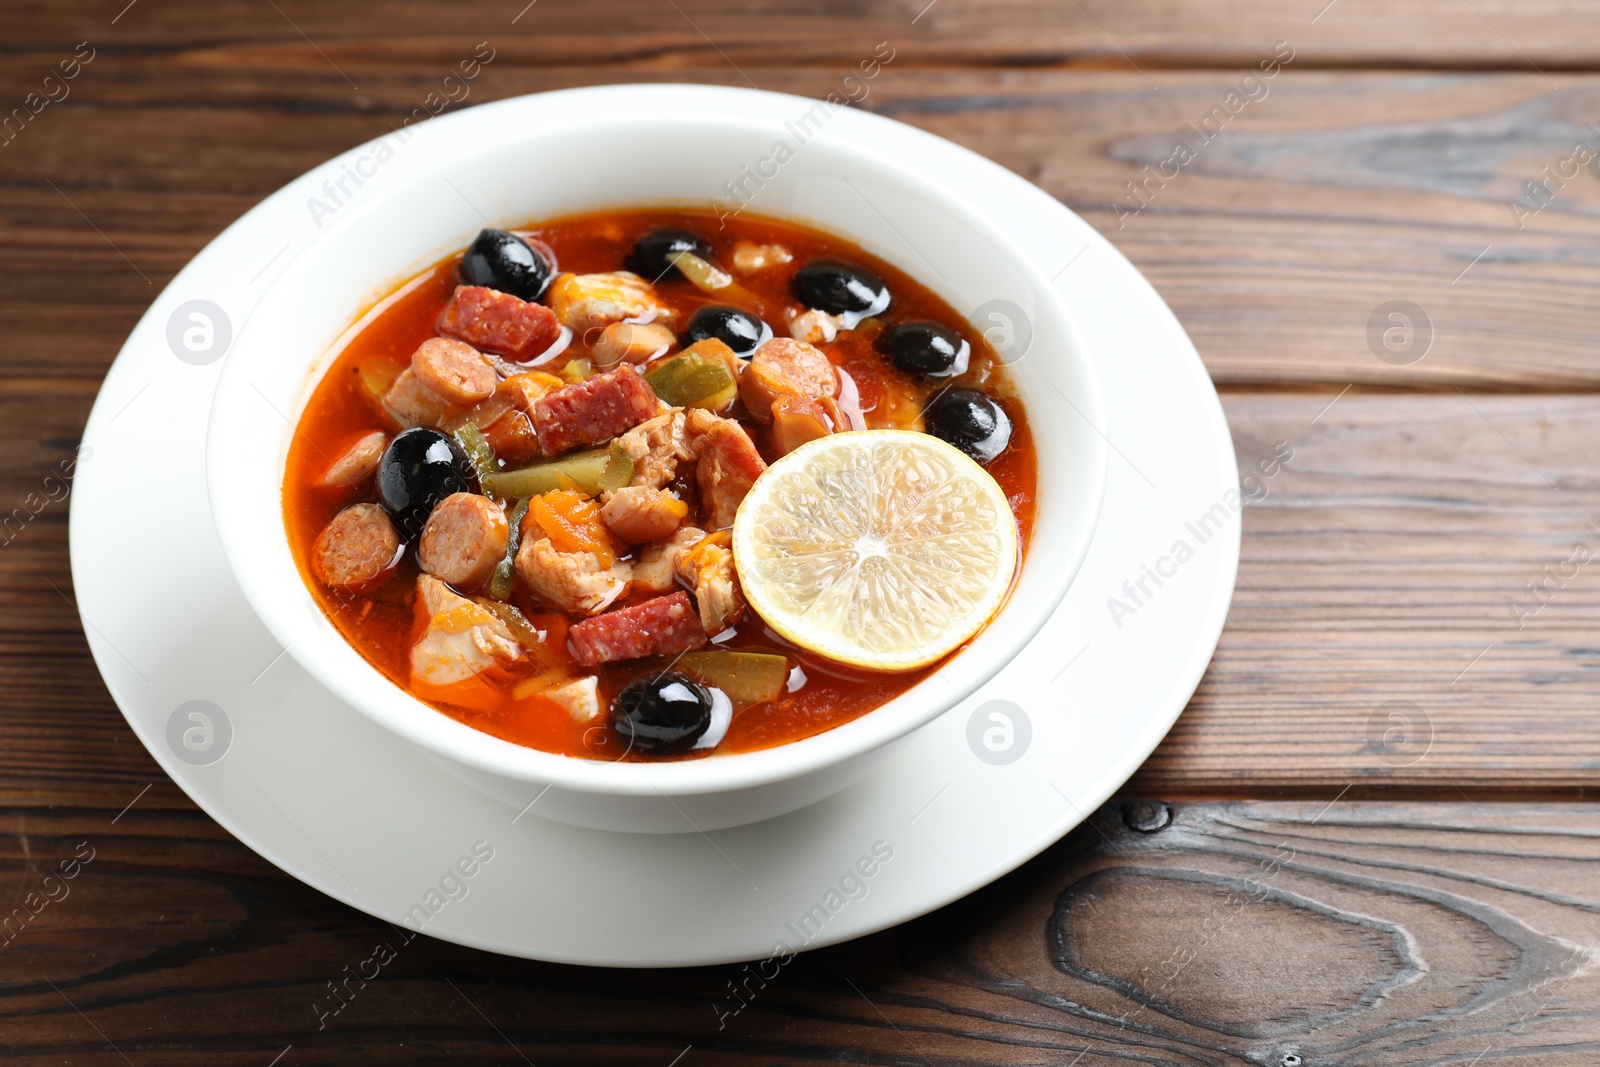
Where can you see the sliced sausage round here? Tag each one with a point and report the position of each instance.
(358, 463)
(455, 370)
(463, 540)
(359, 546)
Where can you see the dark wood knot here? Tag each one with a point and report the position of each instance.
(1146, 816)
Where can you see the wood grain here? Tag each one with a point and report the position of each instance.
(1407, 622)
(1503, 34)
(1238, 934)
(1390, 560)
(1330, 196)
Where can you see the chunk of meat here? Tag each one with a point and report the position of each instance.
(785, 367)
(357, 547)
(528, 635)
(697, 421)
(799, 419)
(657, 569)
(512, 437)
(594, 410)
(571, 520)
(580, 697)
(461, 639)
(656, 447)
(523, 389)
(708, 570)
(358, 461)
(455, 370)
(664, 626)
(582, 302)
(574, 582)
(728, 466)
(815, 326)
(632, 342)
(503, 417)
(749, 257)
(638, 513)
(482, 415)
(412, 402)
(465, 537)
(498, 322)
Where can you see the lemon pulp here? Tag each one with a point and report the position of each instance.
(882, 549)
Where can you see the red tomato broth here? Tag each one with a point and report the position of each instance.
(382, 624)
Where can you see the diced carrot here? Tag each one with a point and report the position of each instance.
(721, 539)
(523, 389)
(573, 524)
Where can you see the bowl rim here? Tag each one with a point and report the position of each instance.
(397, 710)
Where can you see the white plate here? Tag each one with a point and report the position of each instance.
(563, 160)
(341, 804)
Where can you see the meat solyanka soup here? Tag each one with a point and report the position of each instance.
(519, 488)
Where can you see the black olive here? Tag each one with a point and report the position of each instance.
(504, 261)
(661, 714)
(739, 330)
(840, 288)
(972, 421)
(649, 256)
(925, 348)
(420, 468)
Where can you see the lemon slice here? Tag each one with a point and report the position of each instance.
(882, 549)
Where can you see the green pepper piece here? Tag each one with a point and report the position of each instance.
(478, 450)
(505, 572)
(747, 677)
(689, 381)
(618, 471)
(595, 471)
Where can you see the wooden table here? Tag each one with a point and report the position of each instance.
(1305, 885)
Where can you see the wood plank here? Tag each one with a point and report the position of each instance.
(1315, 206)
(1297, 221)
(1234, 934)
(1561, 34)
(1390, 561)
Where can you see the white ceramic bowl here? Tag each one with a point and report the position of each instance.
(616, 146)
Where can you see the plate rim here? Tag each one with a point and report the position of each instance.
(1201, 649)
